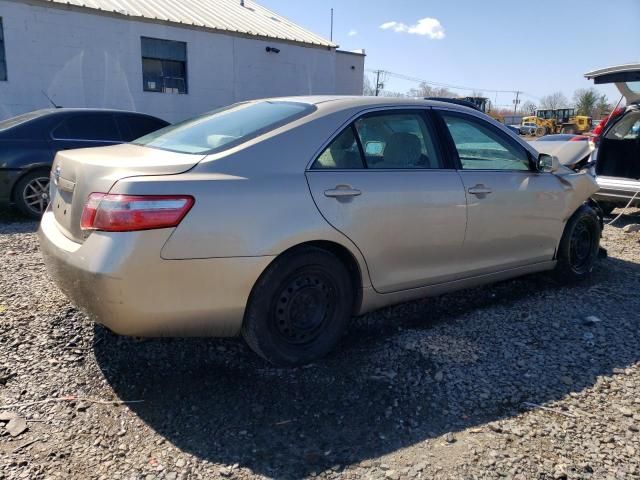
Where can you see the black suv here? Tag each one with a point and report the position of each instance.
(29, 143)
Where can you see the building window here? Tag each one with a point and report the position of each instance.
(164, 66)
(3, 62)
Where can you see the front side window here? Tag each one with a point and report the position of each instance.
(481, 147)
(225, 127)
(384, 141)
(164, 66)
(88, 127)
(3, 60)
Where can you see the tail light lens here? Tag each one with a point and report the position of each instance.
(127, 213)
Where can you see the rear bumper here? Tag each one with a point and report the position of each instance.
(8, 178)
(617, 190)
(121, 281)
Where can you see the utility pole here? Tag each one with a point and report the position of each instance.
(516, 102)
(379, 84)
(331, 35)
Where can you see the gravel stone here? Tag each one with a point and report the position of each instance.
(478, 365)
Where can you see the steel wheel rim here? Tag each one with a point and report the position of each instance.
(581, 246)
(36, 194)
(304, 306)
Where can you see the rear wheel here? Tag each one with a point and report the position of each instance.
(299, 308)
(568, 130)
(579, 245)
(31, 193)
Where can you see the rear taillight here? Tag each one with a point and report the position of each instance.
(126, 213)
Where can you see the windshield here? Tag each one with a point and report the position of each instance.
(25, 117)
(225, 127)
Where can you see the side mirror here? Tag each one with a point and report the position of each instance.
(548, 163)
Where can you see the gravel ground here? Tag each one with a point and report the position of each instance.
(524, 379)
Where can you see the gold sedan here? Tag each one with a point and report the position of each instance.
(281, 219)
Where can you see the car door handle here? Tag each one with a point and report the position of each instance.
(342, 191)
(479, 190)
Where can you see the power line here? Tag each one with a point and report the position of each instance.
(448, 85)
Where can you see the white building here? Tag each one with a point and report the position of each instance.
(170, 58)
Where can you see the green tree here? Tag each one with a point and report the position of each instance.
(603, 107)
(586, 100)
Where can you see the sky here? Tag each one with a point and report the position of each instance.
(534, 47)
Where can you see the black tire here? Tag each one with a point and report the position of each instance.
(579, 246)
(607, 207)
(299, 308)
(31, 193)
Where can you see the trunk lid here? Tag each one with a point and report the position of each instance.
(78, 173)
(626, 78)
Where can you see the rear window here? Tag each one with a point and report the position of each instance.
(225, 127)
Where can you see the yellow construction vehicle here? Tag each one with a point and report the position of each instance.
(568, 122)
(544, 119)
(560, 120)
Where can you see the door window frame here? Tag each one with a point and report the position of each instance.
(453, 151)
(429, 119)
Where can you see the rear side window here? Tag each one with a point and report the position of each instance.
(88, 127)
(343, 153)
(397, 140)
(387, 140)
(136, 126)
(225, 127)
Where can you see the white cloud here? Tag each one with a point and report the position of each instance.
(396, 26)
(429, 27)
(352, 33)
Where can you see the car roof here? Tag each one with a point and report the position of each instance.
(340, 102)
(63, 110)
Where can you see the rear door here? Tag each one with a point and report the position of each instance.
(384, 183)
(625, 77)
(85, 129)
(515, 213)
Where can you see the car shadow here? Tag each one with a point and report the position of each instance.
(12, 222)
(402, 375)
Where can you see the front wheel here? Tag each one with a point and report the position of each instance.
(579, 245)
(299, 308)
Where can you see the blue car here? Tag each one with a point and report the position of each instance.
(29, 142)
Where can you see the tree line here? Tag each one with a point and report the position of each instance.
(586, 101)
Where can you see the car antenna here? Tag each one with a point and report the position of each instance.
(49, 98)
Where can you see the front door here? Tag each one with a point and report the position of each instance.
(515, 213)
(384, 183)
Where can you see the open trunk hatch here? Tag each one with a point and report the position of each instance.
(626, 78)
(78, 173)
